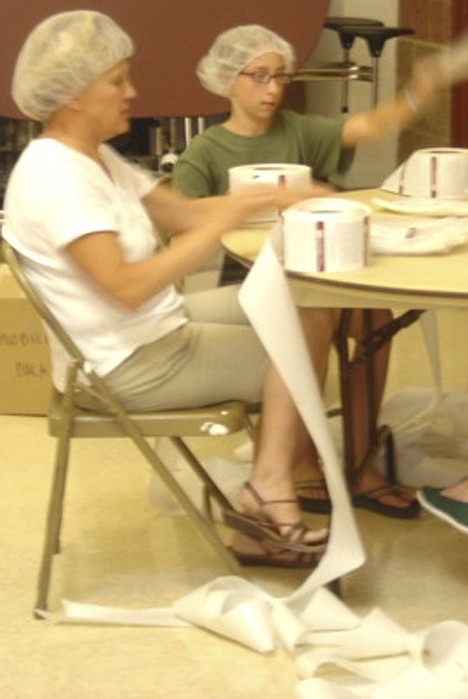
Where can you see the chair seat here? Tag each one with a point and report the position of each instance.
(377, 36)
(339, 22)
(214, 420)
(344, 27)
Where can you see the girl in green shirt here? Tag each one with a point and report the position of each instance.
(250, 66)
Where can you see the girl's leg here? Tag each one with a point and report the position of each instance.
(369, 477)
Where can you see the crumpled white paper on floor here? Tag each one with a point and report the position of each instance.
(379, 659)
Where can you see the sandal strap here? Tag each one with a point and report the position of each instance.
(376, 493)
(382, 490)
(264, 503)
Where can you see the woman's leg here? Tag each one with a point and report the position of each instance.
(319, 326)
(212, 361)
(281, 431)
(282, 439)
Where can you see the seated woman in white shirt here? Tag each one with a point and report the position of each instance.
(85, 222)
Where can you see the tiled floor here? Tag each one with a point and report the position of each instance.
(119, 549)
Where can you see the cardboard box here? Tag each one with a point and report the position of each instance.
(25, 383)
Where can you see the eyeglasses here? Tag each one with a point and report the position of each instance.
(262, 78)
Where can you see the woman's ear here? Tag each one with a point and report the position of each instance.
(74, 104)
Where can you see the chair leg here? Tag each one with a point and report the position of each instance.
(205, 527)
(55, 512)
(54, 522)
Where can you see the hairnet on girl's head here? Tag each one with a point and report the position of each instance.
(234, 49)
(62, 56)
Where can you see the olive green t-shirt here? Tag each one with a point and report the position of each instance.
(301, 139)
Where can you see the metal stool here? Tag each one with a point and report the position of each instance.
(344, 27)
(375, 33)
(376, 38)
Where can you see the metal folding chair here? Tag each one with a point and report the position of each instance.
(66, 421)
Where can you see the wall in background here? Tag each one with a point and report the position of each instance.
(170, 36)
(460, 92)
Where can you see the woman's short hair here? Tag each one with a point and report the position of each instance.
(234, 49)
(62, 56)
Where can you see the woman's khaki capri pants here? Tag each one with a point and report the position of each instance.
(215, 357)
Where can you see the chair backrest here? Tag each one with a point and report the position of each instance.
(78, 366)
(13, 261)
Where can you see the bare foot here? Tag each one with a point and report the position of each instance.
(459, 491)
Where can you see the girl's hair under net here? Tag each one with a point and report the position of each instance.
(234, 49)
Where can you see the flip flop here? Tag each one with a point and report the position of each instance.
(370, 501)
(319, 505)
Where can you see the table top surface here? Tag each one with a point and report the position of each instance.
(423, 281)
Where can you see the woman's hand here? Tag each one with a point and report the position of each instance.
(268, 196)
(288, 198)
(178, 214)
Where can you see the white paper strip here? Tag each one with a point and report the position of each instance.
(98, 614)
(265, 297)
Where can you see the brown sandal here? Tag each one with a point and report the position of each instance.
(271, 555)
(289, 536)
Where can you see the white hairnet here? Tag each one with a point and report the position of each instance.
(62, 56)
(234, 49)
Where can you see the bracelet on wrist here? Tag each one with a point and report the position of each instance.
(411, 102)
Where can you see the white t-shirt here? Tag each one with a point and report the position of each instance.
(54, 196)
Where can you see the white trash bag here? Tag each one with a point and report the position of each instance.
(228, 475)
(431, 435)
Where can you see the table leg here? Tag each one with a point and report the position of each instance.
(373, 340)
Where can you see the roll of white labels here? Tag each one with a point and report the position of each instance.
(325, 235)
(295, 178)
(436, 173)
